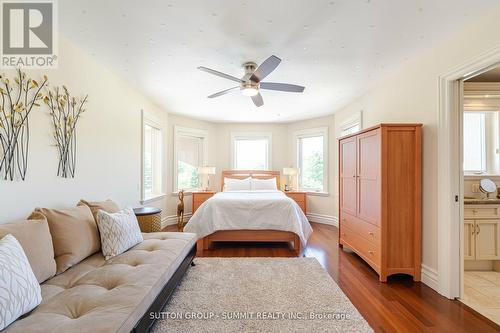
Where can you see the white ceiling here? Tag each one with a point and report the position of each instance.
(337, 49)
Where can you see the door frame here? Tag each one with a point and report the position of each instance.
(450, 185)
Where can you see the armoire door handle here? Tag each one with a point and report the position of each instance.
(478, 230)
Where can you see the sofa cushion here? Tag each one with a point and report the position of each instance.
(108, 296)
(119, 232)
(109, 206)
(74, 234)
(35, 238)
(19, 289)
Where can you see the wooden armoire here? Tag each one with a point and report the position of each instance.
(380, 202)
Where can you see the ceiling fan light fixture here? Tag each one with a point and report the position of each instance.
(249, 91)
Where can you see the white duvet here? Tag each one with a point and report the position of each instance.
(249, 210)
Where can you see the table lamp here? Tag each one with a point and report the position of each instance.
(206, 170)
(290, 172)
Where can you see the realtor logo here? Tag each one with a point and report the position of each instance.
(28, 34)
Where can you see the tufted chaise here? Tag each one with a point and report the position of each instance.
(115, 295)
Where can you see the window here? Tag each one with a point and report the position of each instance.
(190, 152)
(352, 124)
(152, 183)
(251, 151)
(350, 129)
(474, 142)
(312, 159)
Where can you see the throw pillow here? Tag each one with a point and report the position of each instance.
(107, 205)
(19, 288)
(119, 231)
(34, 236)
(74, 234)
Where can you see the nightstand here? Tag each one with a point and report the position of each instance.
(201, 197)
(299, 197)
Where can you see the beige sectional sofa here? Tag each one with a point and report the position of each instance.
(95, 295)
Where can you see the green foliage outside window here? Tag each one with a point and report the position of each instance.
(187, 176)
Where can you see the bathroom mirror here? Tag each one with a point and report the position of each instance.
(487, 186)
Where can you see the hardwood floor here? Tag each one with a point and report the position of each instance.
(400, 305)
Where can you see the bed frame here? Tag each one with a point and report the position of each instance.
(251, 235)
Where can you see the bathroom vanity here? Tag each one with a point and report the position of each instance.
(482, 229)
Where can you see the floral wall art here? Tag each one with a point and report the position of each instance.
(65, 111)
(19, 97)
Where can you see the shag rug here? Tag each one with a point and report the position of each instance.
(259, 295)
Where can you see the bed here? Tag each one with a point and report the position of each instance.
(258, 214)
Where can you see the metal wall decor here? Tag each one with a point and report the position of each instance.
(19, 97)
(65, 111)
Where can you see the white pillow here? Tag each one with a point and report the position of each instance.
(231, 184)
(119, 231)
(264, 184)
(19, 289)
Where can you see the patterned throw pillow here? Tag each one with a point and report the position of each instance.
(19, 288)
(119, 231)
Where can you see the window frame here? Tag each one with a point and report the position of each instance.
(309, 133)
(154, 122)
(354, 120)
(194, 133)
(252, 136)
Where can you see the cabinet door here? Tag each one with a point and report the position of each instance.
(368, 173)
(469, 240)
(347, 175)
(487, 237)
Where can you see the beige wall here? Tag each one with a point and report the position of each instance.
(109, 142)
(411, 95)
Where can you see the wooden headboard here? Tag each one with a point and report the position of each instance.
(242, 174)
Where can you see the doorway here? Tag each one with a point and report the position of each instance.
(480, 142)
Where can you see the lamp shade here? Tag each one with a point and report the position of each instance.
(290, 171)
(206, 170)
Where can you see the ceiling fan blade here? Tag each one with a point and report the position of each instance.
(257, 100)
(265, 68)
(214, 72)
(281, 87)
(223, 92)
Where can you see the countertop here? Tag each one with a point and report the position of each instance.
(484, 201)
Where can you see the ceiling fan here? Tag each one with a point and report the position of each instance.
(251, 82)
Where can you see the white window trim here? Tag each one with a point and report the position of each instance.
(249, 136)
(307, 133)
(153, 121)
(193, 132)
(355, 119)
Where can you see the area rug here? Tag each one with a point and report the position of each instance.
(259, 295)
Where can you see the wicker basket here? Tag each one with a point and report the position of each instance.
(150, 223)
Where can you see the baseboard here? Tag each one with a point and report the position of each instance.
(430, 277)
(323, 218)
(172, 219)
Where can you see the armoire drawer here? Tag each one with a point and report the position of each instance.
(364, 229)
(361, 246)
(486, 211)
